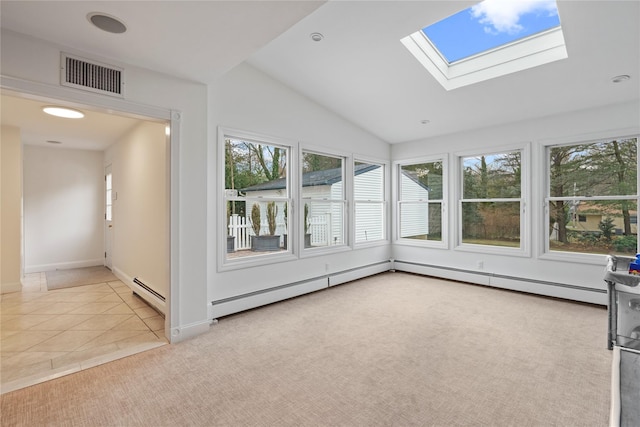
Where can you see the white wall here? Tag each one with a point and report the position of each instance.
(63, 208)
(611, 121)
(11, 212)
(248, 100)
(32, 65)
(140, 233)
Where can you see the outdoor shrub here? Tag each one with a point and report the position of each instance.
(255, 219)
(626, 244)
(272, 212)
(607, 227)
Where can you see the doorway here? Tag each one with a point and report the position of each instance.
(107, 242)
(129, 314)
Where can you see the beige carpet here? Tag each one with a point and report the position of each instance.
(390, 350)
(59, 279)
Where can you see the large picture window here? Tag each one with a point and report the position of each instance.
(420, 201)
(323, 200)
(257, 198)
(369, 200)
(592, 197)
(491, 203)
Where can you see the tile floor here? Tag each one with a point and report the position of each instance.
(46, 334)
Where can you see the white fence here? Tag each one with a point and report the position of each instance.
(240, 228)
(320, 230)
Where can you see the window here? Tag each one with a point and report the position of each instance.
(323, 200)
(491, 203)
(257, 198)
(593, 197)
(369, 200)
(108, 183)
(489, 39)
(420, 201)
(485, 26)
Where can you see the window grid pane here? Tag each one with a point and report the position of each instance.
(493, 176)
(421, 220)
(491, 223)
(323, 223)
(370, 221)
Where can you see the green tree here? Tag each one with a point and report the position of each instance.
(312, 162)
(607, 227)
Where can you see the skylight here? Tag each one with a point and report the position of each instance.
(490, 39)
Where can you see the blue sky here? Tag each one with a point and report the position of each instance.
(489, 24)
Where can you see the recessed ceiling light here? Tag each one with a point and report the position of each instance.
(67, 113)
(621, 78)
(425, 122)
(316, 37)
(54, 142)
(107, 23)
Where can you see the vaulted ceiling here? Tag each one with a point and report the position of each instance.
(359, 70)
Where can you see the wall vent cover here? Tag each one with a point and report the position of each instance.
(92, 76)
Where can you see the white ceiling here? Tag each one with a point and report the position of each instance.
(96, 131)
(360, 70)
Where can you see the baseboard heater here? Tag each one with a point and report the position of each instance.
(237, 303)
(148, 289)
(543, 287)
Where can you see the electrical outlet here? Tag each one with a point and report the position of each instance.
(480, 265)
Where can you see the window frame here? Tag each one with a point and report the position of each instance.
(224, 263)
(538, 49)
(384, 202)
(397, 182)
(347, 197)
(524, 249)
(566, 256)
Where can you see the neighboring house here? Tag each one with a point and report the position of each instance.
(326, 218)
(587, 217)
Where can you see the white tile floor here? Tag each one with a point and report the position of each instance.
(46, 334)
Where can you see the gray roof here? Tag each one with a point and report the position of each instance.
(325, 177)
(311, 179)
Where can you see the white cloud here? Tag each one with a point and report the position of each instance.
(502, 16)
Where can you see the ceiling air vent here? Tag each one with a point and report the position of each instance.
(92, 76)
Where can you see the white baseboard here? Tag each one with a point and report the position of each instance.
(359, 273)
(63, 265)
(289, 290)
(140, 291)
(5, 288)
(557, 290)
(426, 270)
(257, 299)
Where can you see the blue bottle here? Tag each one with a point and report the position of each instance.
(634, 267)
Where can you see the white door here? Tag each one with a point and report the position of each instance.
(108, 216)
